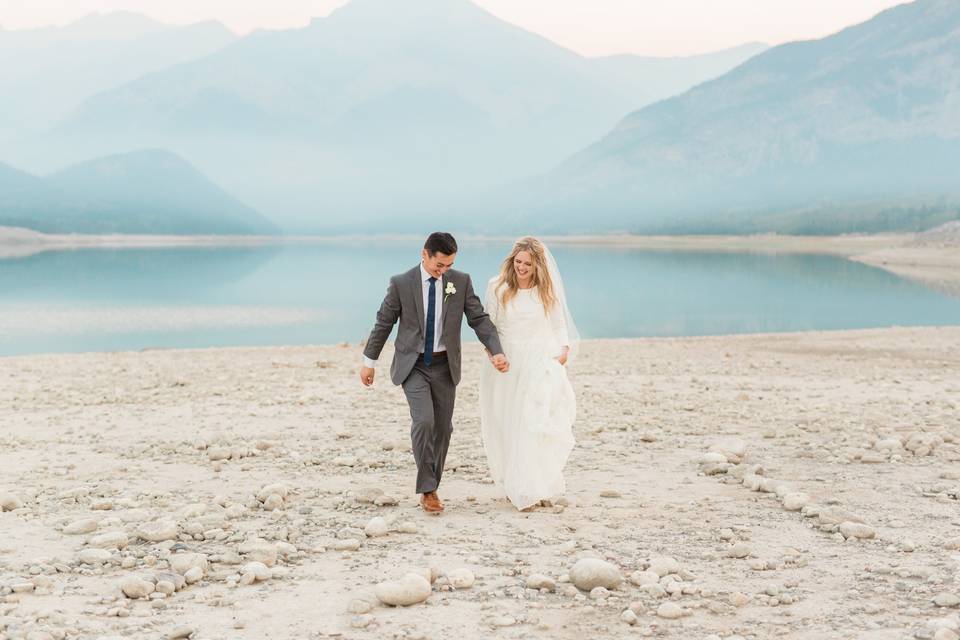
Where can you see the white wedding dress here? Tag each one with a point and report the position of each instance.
(527, 414)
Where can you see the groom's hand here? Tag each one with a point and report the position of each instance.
(500, 363)
(366, 376)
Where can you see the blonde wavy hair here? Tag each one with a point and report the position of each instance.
(508, 286)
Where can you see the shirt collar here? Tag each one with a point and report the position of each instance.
(424, 275)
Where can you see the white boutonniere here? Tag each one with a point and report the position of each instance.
(450, 290)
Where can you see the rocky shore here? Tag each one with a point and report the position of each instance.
(748, 487)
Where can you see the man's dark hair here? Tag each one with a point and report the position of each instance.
(440, 242)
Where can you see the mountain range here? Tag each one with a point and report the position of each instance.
(390, 116)
(379, 112)
(46, 73)
(854, 132)
(146, 192)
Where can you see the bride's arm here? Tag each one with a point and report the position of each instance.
(559, 326)
(491, 305)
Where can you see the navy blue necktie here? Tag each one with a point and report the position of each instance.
(431, 317)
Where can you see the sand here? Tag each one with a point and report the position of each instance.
(866, 424)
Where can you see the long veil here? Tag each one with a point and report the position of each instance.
(561, 292)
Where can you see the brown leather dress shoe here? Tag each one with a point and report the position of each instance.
(431, 503)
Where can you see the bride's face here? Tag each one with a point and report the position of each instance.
(523, 266)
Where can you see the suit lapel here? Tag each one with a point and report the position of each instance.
(443, 309)
(417, 288)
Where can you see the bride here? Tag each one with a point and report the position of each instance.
(527, 414)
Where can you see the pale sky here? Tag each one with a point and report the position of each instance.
(590, 27)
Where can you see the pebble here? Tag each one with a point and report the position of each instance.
(361, 621)
(136, 587)
(733, 449)
(10, 502)
(946, 634)
(953, 544)
(502, 621)
(643, 578)
(610, 493)
(276, 489)
(539, 581)
(259, 550)
(193, 575)
(739, 599)
(739, 550)
(180, 632)
(94, 556)
(377, 527)
(181, 563)
(589, 573)
(359, 606)
(946, 600)
(408, 590)
(599, 593)
(218, 453)
(158, 530)
(257, 571)
(273, 502)
(166, 587)
(795, 501)
(669, 610)
(80, 527)
(461, 578)
(629, 617)
(109, 540)
(407, 527)
(664, 566)
(345, 545)
(856, 530)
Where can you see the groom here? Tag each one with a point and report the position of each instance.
(430, 301)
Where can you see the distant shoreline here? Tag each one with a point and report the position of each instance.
(17, 241)
(931, 260)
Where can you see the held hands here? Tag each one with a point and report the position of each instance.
(366, 376)
(500, 363)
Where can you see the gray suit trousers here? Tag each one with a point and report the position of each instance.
(431, 393)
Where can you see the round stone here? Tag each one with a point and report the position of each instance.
(946, 600)
(136, 587)
(377, 527)
(669, 610)
(10, 502)
(408, 590)
(461, 578)
(80, 527)
(158, 530)
(664, 566)
(94, 556)
(795, 501)
(539, 581)
(856, 530)
(590, 573)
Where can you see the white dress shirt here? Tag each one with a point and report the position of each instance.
(438, 345)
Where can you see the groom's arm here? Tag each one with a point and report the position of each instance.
(386, 317)
(479, 320)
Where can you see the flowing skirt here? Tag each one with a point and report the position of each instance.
(526, 418)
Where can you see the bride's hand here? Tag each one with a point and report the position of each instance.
(562, 358)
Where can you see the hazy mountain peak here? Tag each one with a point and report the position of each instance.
(418, 12)
(150, 191)
(114, 24)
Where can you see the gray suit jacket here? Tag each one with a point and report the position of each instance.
(404, 302)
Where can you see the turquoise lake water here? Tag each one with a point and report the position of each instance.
(104, 300)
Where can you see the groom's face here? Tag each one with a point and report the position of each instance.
(437, 264)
